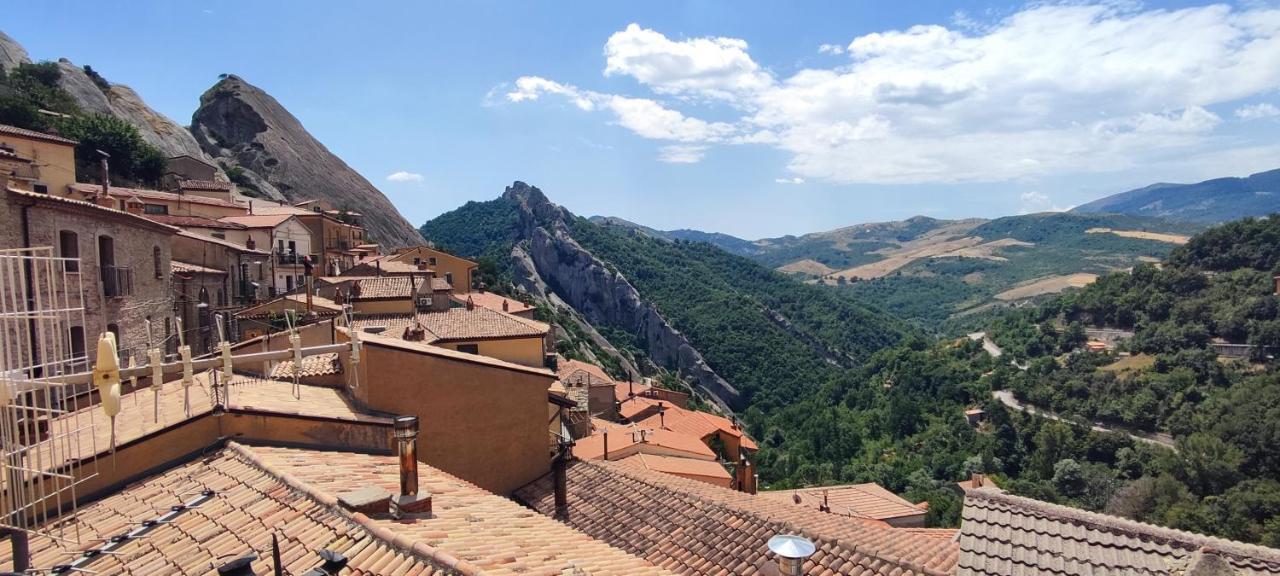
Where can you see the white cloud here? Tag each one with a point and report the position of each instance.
(1033, 201)
(831, 49)
(1050, 89)
(1257, 111)
(681, 154)
(404, 176)
(795, 180)
(711, 67)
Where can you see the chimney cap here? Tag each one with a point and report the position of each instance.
(791, 546)
(406, 426)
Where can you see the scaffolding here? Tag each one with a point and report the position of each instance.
(43, 423)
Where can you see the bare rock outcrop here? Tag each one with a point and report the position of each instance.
(243, 126)
(603, 296)
(11, 52)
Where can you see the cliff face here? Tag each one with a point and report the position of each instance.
(122, 102)
(11, 52)
(243, 126)
(554, 261)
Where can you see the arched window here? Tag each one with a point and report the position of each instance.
(69, 247)
(155, 259)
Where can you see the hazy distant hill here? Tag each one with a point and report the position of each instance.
(1209, 202)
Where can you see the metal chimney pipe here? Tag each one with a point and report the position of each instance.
(560, 476)
(791, 551)
(606, 444)
(406, 434)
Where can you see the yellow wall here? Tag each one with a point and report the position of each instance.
(53, 164)
(523, 351)
(484, 423)
(403, 306)
(446, 263)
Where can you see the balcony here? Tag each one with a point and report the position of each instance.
(291, 258)
(117, 281)
(338, 244)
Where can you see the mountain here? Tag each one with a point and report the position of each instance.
(243, 131)
(269, 153)
(726, 242)
(746, 336)
(1207, 202)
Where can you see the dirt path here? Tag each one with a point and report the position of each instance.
(1158, 438)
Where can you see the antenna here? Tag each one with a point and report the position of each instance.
(44, 428)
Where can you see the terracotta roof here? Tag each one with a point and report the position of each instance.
(625, 440)
(425, 348)
(677, 466)
(193, 221)
(322, 306)
(693, 527)
(577, 370)
(257, 220)
(859, 500)
(314, 365)
(220, 241)
(188, 268)
(479, 530)
(692, 422)
(93, 209)
(457, 325)
(1005, 534)
(375, 265)
(24, 133)
(247, 506)
(385, 288)
(204, 185)
(440, 285)
(623, 390)
(494, 302)
(144, 194)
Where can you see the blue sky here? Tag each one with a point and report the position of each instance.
(753, 118)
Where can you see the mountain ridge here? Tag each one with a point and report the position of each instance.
(1209, 202)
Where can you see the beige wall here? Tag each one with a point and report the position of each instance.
(484, 423)
(446, 266)
(53, 165)
(403, 306)
(523, 351)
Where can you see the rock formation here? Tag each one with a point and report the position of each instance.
(601, 296)
(243, 126)
(11, 52)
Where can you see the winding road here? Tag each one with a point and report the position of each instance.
(1006, 397)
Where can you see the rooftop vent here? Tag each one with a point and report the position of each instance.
(334, 562)
(242, 566)
(409, 501)
(791, 551)
(377, 329)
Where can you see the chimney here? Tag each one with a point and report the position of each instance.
(471, 305)
(409, 501)
(825, 507)
(978, 480)
(103, 173)
(560, 476)
(662, 415)
(755, 481)
(606, 444)
(504, 306)
(378, 263)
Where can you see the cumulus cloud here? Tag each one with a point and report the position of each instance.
(709, 67)
(404, 176)
(795, 180)
(681, 154)
(1050, 89)
(1033, 201)
(1257, 111)
(831, 49)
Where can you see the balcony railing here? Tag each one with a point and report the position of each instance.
(338, 244)
(117, 281)
(288, 258)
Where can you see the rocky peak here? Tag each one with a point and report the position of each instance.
(11, 52)
(242, 126)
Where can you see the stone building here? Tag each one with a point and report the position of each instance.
(288, 240)
(458, 272)
(122, 267)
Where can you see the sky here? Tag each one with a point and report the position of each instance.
(753, 118)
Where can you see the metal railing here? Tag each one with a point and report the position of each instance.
(117, 281)
(288, 258)
(338, 244)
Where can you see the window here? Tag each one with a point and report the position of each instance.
(288, 283)
(156, 260)
(417, 261)
(155, 209)
(469, 348)
(77, 342)
(431, 261)
(69, 247)
(220, 235)
(448, 277)
(41, 188)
